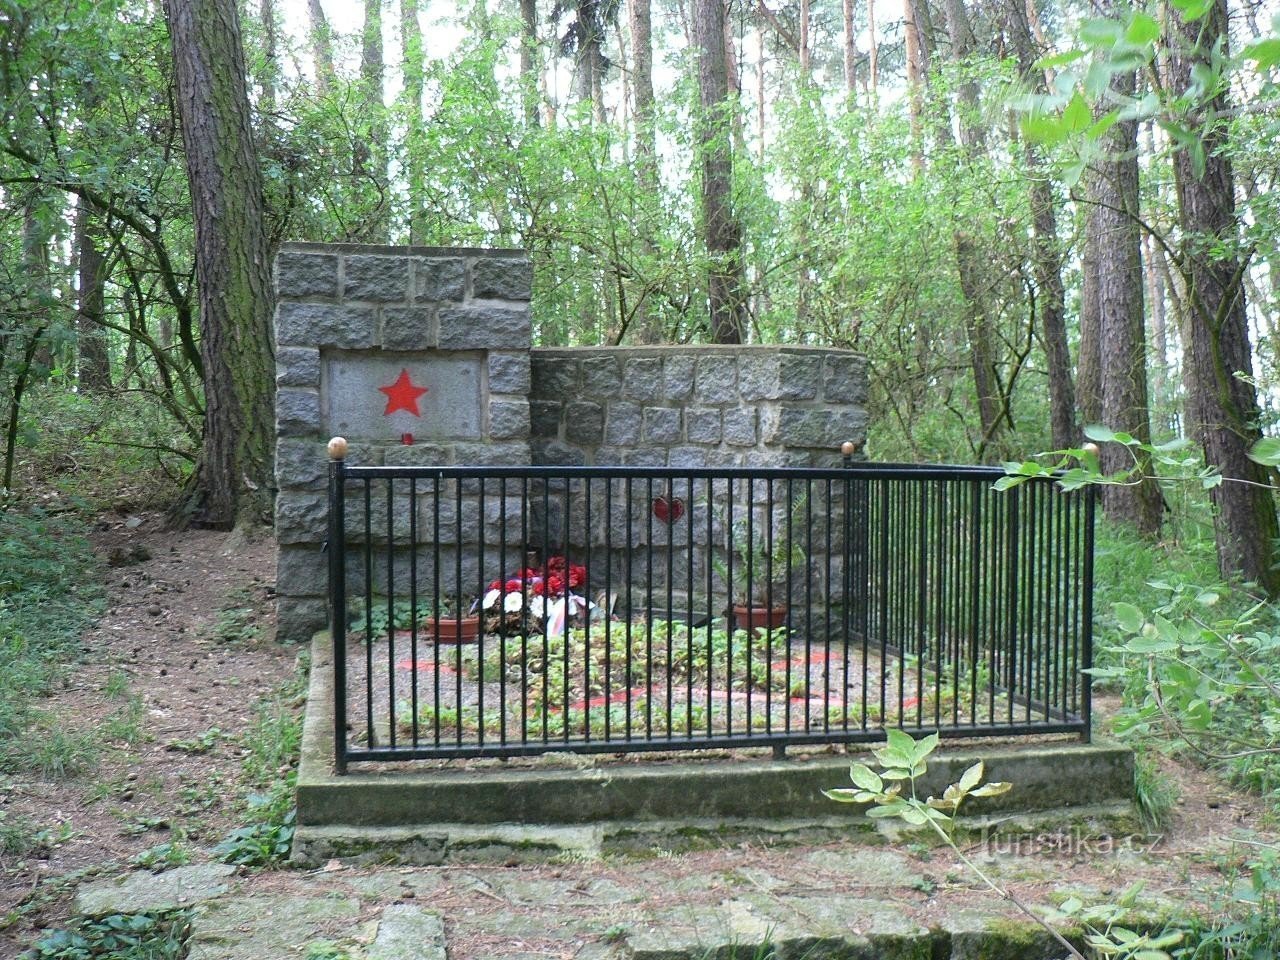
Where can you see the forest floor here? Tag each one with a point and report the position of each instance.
(181, 686)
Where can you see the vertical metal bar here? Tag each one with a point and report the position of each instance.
(482, 536)
(413, 605)
(524, 614)
(751, 590)
(546, 595)
(669, 493)
(688, 633)
(457, 603)
(368, 611)
(729, 628)
(630, 616)
(608, 612)
(648, 611)
(566, 539)
(884, 593)
(922, 594)
(435, 605)
(587, 527)
(1086, 588)
(976, 571)
(710, 567)
(808, 628)
(391, 615)
(1014, 640)
(770, 572)
(338, 602)
(502, 630)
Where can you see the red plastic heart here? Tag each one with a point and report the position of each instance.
(668, 509)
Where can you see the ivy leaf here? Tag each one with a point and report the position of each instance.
(1102, 32)
(1267, 450)
(1056, 60)
(1142, 30)
(1077, 116)
(1265, 53)
(1128, 616)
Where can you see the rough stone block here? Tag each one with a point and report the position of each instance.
(380, 279)
(702, 425)
(301, 517)
(623, 426)
(844, 378)
(584, 423)
(824, 429)
(509, 373)
(502, 278)
(647, 457)
(758, 375)
(687, 457)
(439, 278)
(408, 328)
(502, 454)
(325, 325)
(677, 377)
(301, 464)
(306, 274)
(799, 376)
(544, 417)
(420, 455)
(553, 452)
(483, 327)
(297, 412)
(662, 425)
(555, 378)
(642, 379)
(508, 419)
(302, 570)
(298, 618)
(297, 367)
(740, 426)
(601, 377)
(716, 381)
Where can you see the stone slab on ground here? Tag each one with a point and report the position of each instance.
(144, 892)
(269, 926)
(408, 932)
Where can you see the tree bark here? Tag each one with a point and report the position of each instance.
(233, 263)
(415, 162)
(370, 147)
(321, 47)
(1122, 342)
(270, 56)
(850, 54)
(721, 229)
(1047, 251)
(1089, 373)
(1222, 408)
(804, 40)
(873, 49)
(529, 68)
(93, 371)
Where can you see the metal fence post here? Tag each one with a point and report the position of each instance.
(338, 597)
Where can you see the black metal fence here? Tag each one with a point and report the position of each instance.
(501, 611)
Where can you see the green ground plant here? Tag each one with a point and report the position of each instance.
(117, 937)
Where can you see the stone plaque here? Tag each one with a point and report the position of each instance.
(402, 397)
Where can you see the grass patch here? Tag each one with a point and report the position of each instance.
(50, 592)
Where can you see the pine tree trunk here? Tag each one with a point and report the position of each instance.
(93, 372)
(370, 148)
(415, 163)
(850, 54)
(233, 262)
(1222, 408)
(270, 56)
(321, 47)
(1047, 251)
(529, 69)
(1122, 342)
(720, 225)
(1089, 372)
(873, 65)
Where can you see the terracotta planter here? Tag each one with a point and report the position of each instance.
(464, 630)
(757, 618)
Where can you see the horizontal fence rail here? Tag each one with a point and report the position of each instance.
(505, 611)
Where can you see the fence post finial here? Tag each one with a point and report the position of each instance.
(338, 448)
(1091, 448)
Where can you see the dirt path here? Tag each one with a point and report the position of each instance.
(166, 695)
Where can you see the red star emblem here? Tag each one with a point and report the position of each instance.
(402, 395)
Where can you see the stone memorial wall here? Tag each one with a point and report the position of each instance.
(422, 356)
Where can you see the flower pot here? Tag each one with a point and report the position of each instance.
(757, 618)
(451, 630)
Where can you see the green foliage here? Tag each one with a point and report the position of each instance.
(161, 936)
(1154, 793)
(265, 844)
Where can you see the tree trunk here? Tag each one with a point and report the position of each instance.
(1122, 343)
(873, 65)
(529, 68)
(233, 262)
(804, 40)
(370, 147)
(270, 57)
(321, 47)
(1222, 408)
(850, 54)
(915, 78)
(94, 367)
(1089, 373)
(1046, 251)
(720, 225)
(415, 163)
